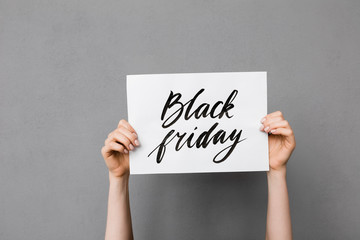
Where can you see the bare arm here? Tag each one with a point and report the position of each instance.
(281, 145)
(118, 217)
(116, 156)
(278, 225)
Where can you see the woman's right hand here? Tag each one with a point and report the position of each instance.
(116, 149)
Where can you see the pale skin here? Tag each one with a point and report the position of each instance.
(124, 139)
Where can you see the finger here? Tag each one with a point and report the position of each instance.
(274, 125)
(287, 132)
(271, 115)
(108, 140)
(109, 148)
(129, 135)
(115, 146)
(122, 139)
(269, 121)
(105, 150)
(127, 125)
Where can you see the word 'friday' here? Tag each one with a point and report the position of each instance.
(206, 137)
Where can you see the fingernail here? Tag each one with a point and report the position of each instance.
(126, 151)
(135, 134)
(266, 129)
(137, 142)
(261, 127)
(272, 131)
(131, 147)
(263, 120)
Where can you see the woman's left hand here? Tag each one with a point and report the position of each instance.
(281, 139)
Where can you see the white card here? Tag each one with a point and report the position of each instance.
(198, 122)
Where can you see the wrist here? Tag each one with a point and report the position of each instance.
(279, 172)
(119, 181)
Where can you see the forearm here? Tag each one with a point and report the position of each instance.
(118, 226)
(278, 224)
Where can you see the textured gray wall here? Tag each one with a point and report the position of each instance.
(62, 90)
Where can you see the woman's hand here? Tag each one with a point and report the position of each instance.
(281, 139)
(116, 155)
(281, 145)
(116, 150)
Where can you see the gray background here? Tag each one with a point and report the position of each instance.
(62, 71)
